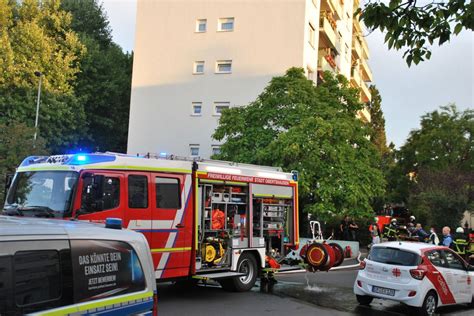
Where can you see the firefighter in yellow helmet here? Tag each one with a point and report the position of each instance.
(460, 242)
(391, 231)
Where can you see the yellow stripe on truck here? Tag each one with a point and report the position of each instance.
(170, 249)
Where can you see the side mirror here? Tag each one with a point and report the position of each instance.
(470, 268)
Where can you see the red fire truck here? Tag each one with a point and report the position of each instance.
(202, 219)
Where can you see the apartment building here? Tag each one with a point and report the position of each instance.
(194, 58)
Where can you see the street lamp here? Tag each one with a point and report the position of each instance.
(40, 75)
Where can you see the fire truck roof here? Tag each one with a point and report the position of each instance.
(149, 162)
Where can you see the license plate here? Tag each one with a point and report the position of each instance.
(384, 291)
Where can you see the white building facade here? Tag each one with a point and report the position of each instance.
(194, 58)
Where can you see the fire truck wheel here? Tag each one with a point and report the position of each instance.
(339, 252)
(248, 265)
(364, 299)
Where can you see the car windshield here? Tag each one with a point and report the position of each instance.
(394, 256)
(41, 193)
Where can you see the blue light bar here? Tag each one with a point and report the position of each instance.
(83, 159)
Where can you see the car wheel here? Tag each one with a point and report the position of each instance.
(429, 304)
(364, 299)
(247, 265)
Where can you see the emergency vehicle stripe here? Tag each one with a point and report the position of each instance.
(440, 284)
(185, 194)
(171, 249)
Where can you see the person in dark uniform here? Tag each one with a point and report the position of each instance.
(344, 228)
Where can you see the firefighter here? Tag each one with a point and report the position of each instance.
(460, 242)
(411, 227)
(391, 231)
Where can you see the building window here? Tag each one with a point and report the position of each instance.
(198, 67)
(311, 35)
(224, 66)
(201, 25)
(225, 25)
(197, 109)
(194, 150)
(216, 150)
(219, 107)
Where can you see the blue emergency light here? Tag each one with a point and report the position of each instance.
(113, 223)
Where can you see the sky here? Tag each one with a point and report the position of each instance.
(407, 93)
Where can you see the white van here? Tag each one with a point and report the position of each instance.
(53, 267)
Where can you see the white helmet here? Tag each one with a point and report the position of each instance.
(412, 218)
(394, 220)
(459, 230)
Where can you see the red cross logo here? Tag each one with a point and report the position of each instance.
(468, 280)
(396, 272)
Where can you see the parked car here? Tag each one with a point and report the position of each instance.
(419, 275)
(52, 267)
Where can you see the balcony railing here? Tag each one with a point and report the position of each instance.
(327, 31)
(364, 115)
(365, 96)
(333, 6)
(366, 72)
(326, 60)
(356, 48)
(355, 77)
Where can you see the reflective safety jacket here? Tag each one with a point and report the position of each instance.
(459, 245)
(390, 231)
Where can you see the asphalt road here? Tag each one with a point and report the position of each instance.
(213, 300)
(334, 290)
(324, 293)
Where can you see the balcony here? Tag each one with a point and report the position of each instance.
(365, 47)
(355, 77)
(356, 48)
(364, 115)
(365, 71)
(326, 60)
(333, 6)
(327, 31)
(365, 93)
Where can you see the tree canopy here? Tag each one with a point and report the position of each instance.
(104, 83)
(296, 125)
(437, 166)
(37, 37)
(414, 26)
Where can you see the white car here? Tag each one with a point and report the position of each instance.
(419, 275)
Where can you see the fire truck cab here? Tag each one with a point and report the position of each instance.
(203, 219)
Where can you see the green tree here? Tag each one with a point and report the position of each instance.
(16, 143)
(104, 83)
(36, 36)
(414, 25)
(438, 159)
(378, 137)
(377, 121)
(298, 126)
